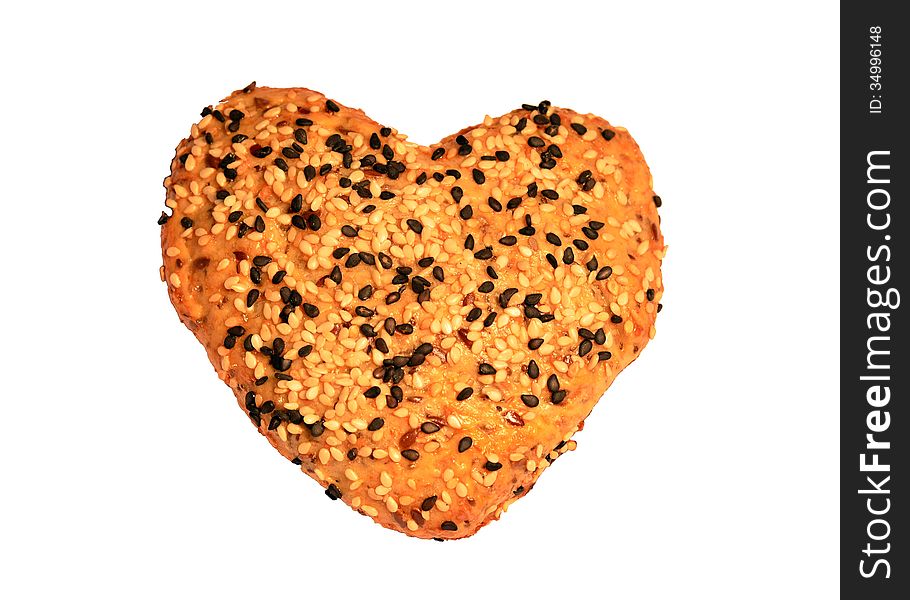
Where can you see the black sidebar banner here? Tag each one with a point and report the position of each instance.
(874, 370)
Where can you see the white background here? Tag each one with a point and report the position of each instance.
(708, 471)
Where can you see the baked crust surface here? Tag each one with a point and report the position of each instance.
(350, 286)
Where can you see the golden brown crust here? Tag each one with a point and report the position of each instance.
(261, 208)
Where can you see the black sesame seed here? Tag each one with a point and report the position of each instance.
(579, 128)
(310, 310)
(186, 222)
(349, 231)
(533, 370)
(385, 260)
(550, 194)
(604, 355)
(421, 179)
(465, 443)
(568, 256)
(410, 454)
(415, 225)
(259, 224)
(392, 298)
(489, 319)
(251, 297)
(437, 153)
(616, 319)
(584, 347)
(305, 351)
(604, 273)
(486, 369)
(535, 343)
(314, 221)
(657, 201)
(428, 503)
(486, 287)
(469, 242)
(448, 526)
(509, 240)
(513, 203)
(553, 383)
(552, 260)
(261, 152)
(466, 212)
(365, 293)
(558, 396)
(506, 296)
(372, 392)
(473, 315)
(438, 273)
(554, 239)
(580, 244)
(492, 466)
(484, 254)
(331, 106)
(230, 340)
(333, 492)
(649, 294)
(530, 400)
(309, 172)
(536, 142)
(479, 177)
(381, 345)
(429, 427)
(457, 193)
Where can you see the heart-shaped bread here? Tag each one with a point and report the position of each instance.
(421, 329)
